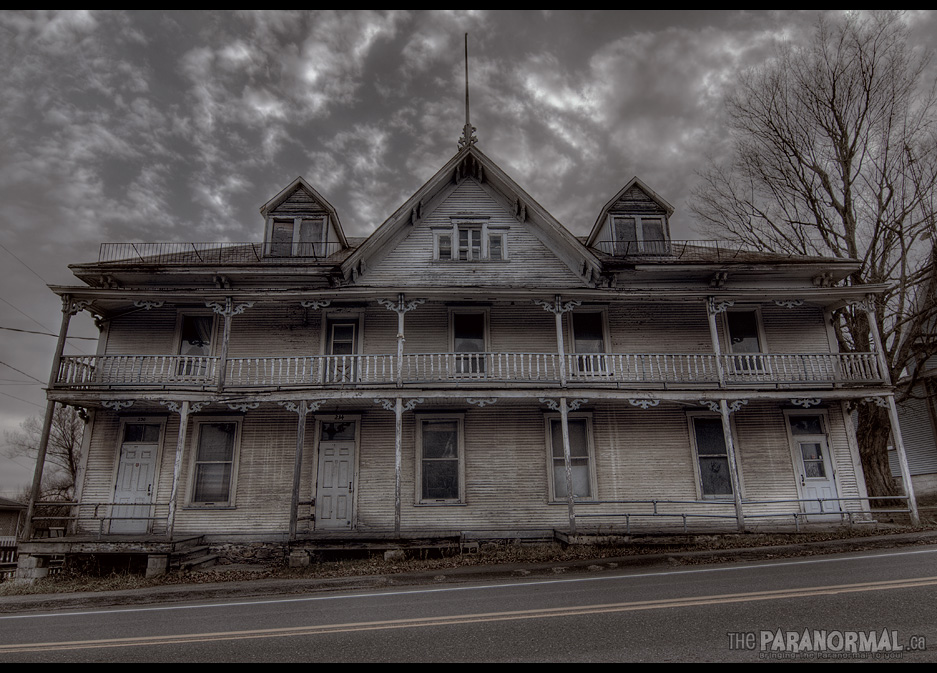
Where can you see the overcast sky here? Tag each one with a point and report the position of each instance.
(178, 126)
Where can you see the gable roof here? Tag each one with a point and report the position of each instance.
(300, 183)
(634, 182)
(472, 162)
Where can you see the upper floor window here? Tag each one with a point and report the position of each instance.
(472, 240)
(634, 234)
(297, 237)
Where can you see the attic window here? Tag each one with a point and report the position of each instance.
(471, 240)
(634, 234)
(298, 237)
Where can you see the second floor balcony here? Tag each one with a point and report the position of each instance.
(634, 370)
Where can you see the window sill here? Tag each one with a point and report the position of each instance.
(207, 506)
(440, 504)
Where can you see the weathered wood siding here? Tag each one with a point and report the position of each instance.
(658, 328)
(530, 263)
(143, 332)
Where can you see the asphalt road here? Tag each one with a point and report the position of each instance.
(869, 606)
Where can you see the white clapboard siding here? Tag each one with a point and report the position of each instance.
(659, 328)
(795, 330)
(917, 432)
(143, 332)
(530, 263)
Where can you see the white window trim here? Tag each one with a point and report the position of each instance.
(197, 423)
(478, 223)
(418, 454)
(694, 451)
(470, 310)
(590, 445)
(759, 323)
(297, 230)
(355, 315)
(639, 228)
(182, 313)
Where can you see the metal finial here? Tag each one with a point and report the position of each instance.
(468, 131)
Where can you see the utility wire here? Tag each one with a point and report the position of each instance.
(22, 400)
(34, 272)
(27, 331)
(21, 372)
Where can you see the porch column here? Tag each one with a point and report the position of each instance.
(398, 459)
(567, 463)
(733, 465)
(869, 307)
(712, 309)
(400, 307)
(902, 459)
(558, 308)
(69, 308)
(183, 411)
(302, 409)
(228, 310)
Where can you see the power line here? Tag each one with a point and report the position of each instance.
(41, 406)
(21, 372)
(35, 273)
(27, 331)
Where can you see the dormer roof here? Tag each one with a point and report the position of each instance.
(318, 202)
(634, 197)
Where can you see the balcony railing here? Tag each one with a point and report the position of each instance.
(190, 254)
(684, 250)
(142, 371)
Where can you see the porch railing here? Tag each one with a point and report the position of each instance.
(193, 254)
(116, 371)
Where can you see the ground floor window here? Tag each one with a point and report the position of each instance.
(439, 466)
(215, 462)
(712, 458)
(580, 457)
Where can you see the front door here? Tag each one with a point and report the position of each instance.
(816, 482)
(335, 479)
(133, 492)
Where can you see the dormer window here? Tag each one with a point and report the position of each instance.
(471, 240)
(297, 237)
(636, 234)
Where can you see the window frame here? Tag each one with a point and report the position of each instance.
(640, 239)
(419, 420)
(294, 247)
(599, 364)
(483, 311)
(197, 424)
(759, 327)
(551, 460)
(694, 450)
(329, 319)
(187, 370)
(487, 232)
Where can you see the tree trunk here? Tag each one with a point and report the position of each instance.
(874, 434)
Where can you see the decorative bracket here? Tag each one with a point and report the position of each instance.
(116, 405)
(74, 306)
(147, 304)
(557, 307)
(805, 402)
(228, 309)
(572, 404)
(738, 404)
(481, 401)
(315, 304)
(712, 405)
(644, 404)
(243, 407)
(789, 303)
(717, 308)
(551, 404)
(578, 402)
(401, 306)
(194, 407)
(311, 405)
(389, 405)
(861, 304)
(877, 401)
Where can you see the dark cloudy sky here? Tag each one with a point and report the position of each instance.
(178, 126)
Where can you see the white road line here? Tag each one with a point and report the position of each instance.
(572, 580)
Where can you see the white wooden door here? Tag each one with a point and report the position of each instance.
(817, 485)
(133, 493)
(335, 480)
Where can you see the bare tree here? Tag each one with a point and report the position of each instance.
(63, 454)
(835, 154)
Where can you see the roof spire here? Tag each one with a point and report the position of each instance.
(468, 131)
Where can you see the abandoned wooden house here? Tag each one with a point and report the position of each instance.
(469, 369)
